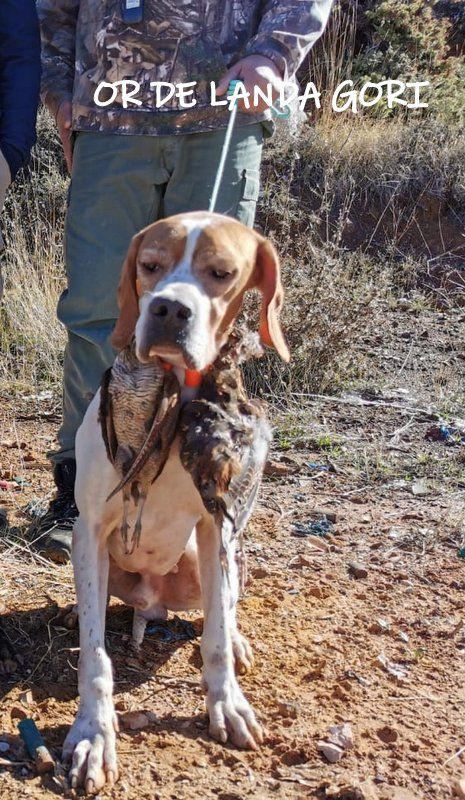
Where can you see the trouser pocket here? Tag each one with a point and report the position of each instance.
(250, 191)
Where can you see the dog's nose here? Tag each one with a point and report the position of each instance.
(170, 312)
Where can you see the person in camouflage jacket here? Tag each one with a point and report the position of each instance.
(131, 166)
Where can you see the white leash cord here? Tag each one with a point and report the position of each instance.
(227, 141)
(224, 153)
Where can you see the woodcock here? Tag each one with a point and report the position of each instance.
(141, 414)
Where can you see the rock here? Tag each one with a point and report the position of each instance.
(26, 698)
(396, 670)
(331, 752)
(420, 488)
(397, 793)
(278, 468)
(357, 570)
(379, 626)
(4, 747)
(387, 734)
(315, 543)
(260, 572)
(315, 591)
(342, 735)
(134, 720)
(352, 791)
(287, 709)
(300, 561)
(459, 788)
(331, 516)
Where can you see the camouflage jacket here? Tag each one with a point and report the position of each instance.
(86, 42)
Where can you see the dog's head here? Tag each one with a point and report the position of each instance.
(183, 284)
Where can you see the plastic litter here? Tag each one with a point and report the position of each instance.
(21, 482)
(320, 467)
(317, 527)
(35, 745)
(449, 434)
(175, 630)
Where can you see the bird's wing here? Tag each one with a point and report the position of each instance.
(224, 454)
(240, 497)
(105, 417)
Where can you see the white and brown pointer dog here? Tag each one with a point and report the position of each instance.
(181, 289)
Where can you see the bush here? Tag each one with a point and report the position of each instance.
(409, 40)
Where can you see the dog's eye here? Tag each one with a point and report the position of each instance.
(219, 274)
(152, 267)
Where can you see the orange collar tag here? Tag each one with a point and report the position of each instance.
(192, 378)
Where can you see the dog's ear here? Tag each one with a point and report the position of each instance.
(128, 300)
(267, 278)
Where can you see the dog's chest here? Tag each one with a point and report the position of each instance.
(172, 509)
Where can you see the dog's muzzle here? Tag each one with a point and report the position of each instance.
(166, 326)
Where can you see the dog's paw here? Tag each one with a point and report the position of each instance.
(243, 656)
(90, 746)
(231, 717)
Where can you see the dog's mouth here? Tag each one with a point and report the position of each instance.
(172, 355)
(176, 354)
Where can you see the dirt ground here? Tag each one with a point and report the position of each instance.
(379, 643)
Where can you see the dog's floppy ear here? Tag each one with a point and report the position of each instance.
(267, 278)
(128, 301)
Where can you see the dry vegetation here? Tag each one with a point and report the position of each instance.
(368, 215)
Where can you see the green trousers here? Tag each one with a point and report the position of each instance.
(119, 185)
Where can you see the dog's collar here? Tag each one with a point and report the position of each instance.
(192, 377)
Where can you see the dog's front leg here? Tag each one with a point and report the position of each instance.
(230, 714)
(90, 743)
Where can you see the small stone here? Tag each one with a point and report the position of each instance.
(260, 572)
(342, 735)
(353, 790)
(134, 720)
(316, 543)
(397, 793)
(287, 709)
(357, 570)
(300, 561)
(331, 516)
(379, 626)
(396, 670)
(315, 591)
(387, 734)
(278, 468)
(331, 752)
(420, 488)
(26, 698)
(4, 747)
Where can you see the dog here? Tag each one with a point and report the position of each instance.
(181, 289)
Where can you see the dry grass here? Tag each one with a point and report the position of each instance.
(31, 338)
(317, 189)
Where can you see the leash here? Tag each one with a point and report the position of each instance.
(277, 112)
(225, 149)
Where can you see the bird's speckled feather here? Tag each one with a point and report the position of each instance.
(224, 436)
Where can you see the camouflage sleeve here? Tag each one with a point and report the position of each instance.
(58, 20)
(287, 30)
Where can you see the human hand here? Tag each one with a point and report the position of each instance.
(253, 71)
(63, 121)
